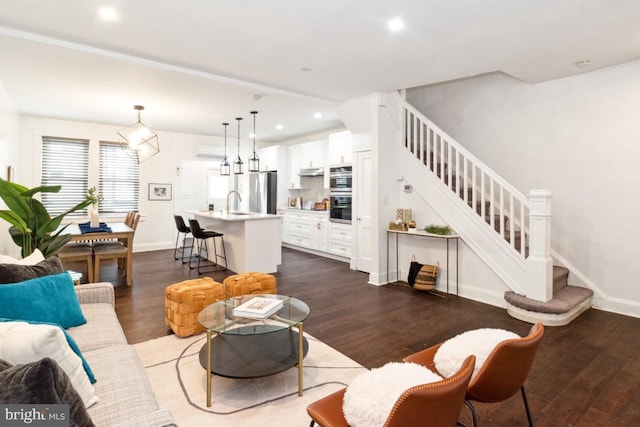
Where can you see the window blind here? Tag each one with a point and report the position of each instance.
(65, 162)
(119, 179)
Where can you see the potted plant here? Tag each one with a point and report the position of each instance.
(31, 225)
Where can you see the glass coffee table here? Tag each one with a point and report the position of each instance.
(249, 348)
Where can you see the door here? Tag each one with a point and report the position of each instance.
(364, 209)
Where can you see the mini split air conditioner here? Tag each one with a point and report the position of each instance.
(209, 151)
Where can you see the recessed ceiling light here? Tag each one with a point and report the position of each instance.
(317, 115)
(306, 69)
(279, 127)
(395, 24)
(108, 14)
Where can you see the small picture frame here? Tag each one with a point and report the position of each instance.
(159, 191)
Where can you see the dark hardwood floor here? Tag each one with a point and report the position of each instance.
(584, 374)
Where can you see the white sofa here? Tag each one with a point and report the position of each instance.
(126, 398)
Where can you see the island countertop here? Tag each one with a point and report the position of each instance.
(234, 215)
(253, 240)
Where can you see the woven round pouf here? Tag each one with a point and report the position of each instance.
(183, 302)
(249, 283)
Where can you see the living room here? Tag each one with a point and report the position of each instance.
(567, 132)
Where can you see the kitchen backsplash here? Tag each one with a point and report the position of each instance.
(313, 191)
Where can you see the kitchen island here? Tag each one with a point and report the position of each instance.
(253, 240)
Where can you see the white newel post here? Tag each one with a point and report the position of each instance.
(539, 263)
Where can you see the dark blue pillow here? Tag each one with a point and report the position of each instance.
(72, 344)
(50, 299)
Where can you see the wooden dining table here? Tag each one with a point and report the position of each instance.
(119, 230)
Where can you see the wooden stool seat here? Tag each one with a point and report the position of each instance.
(185, 300)
(249, 283)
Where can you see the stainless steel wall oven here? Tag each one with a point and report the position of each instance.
(340, 196)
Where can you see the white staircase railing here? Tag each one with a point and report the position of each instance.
(489, 214)
(504, 209)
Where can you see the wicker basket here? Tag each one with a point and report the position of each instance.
(397, 227)
(427, 277)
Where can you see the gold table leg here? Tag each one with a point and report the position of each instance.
(300, 357)
(208, 368)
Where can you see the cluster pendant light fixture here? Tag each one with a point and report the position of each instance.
(225, 167)
(139, 139)
(237, 165)
(254, 161)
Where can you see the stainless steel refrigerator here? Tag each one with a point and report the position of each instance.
(263, 189)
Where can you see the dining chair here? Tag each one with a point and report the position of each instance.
(78, 252)
(113, 250)
(502, 374)
(433, 404)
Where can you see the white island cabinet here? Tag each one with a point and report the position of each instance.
(252, 240)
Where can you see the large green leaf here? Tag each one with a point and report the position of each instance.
(13, 219)
(11, 195)
(50, 245)
(41, 189)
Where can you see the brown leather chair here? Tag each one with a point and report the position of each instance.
(435, 404)
(503, 373)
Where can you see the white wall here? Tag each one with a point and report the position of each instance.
(578, 137)
(156, 229)
(9, 155)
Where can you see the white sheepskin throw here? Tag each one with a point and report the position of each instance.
(371, 396)
(479, 342)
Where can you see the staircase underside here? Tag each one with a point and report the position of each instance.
(567, 304)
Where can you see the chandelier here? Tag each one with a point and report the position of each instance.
(139, 140)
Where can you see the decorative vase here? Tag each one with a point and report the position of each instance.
(94, 221)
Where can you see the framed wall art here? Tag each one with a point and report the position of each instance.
(159, 191)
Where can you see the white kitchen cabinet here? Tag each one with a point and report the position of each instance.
(340, 239)
(304, 156)
(340, 148)
(294, 167)
(306, 229)
(272, 158)
(300, 229)
(319, 232)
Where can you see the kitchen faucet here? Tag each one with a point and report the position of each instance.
(229, 196)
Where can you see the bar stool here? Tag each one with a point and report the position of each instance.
(200, 236)
(182, 229)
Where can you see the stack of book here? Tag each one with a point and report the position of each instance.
(258, 308)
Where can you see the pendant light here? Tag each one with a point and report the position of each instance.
(139, 139)
(225, 167)
(254, 161)
(237, 165)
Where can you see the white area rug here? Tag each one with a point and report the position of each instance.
(179, 383)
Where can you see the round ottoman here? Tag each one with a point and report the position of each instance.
(249, 283)
(183, 302)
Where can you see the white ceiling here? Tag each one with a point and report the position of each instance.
(195, 64)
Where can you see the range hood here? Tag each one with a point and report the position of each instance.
(311, 172)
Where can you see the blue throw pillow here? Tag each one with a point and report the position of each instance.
(72, 344)
(49, 299)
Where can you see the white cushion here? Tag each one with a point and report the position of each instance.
(21, 342)
(32, 259)
(370, 397)
(479, 342)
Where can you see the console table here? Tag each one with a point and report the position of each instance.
(447, 238)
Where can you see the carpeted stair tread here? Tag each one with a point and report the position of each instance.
(563, 301)
(560, 276)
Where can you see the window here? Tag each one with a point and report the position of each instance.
(65, 162)
(119, 179)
